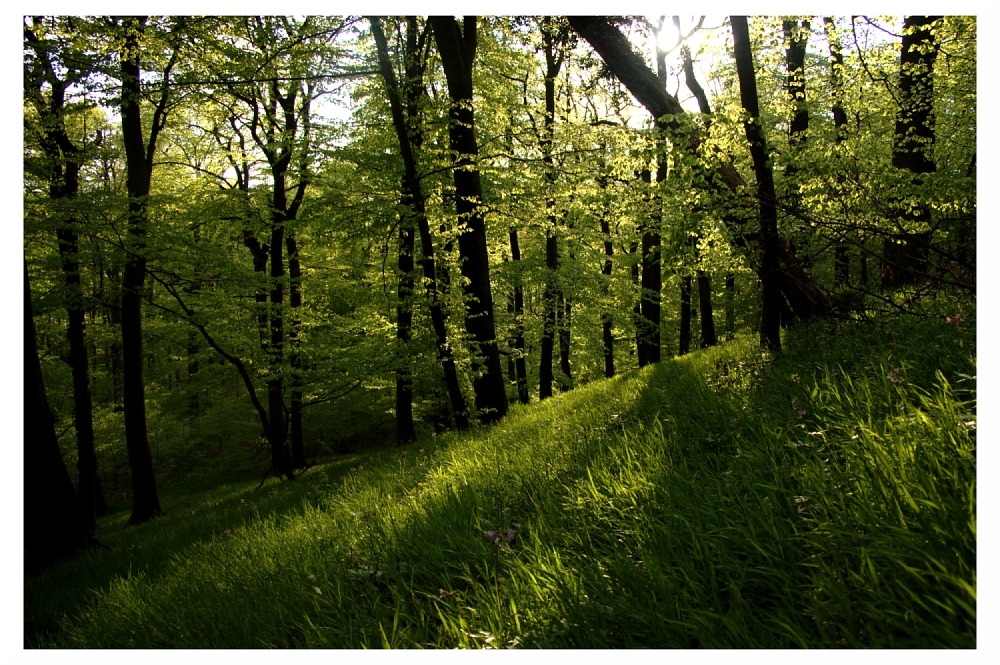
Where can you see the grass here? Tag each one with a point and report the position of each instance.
(823, 498)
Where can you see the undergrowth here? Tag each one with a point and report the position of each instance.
(822, 498)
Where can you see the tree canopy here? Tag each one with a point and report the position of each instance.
(312, 233)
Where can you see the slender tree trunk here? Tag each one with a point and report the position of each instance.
(405, 431)
(607, 317)
(651, 277)
(637, 320)
(771, 296)
(842, 256)
(114, 355)
(457, 48)
(406, 122)
(706, 316)
(684, 345)
(54, 525)
(519, 363)
(565, 309)
(730, 305)
(145, 500)
(552, 292)
(708, 337)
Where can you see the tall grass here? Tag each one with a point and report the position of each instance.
(824, 498)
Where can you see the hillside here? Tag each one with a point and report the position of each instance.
(728, 498)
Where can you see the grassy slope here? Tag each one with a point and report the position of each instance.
(725, 499)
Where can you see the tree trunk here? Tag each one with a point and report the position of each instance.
(565, 309)
(730, 305)
(552, 291)
(298, 447)
(706, 315)
(281, 459)
(405, 431)
(406, 121)
(54, 525)
(771, 295)
(651, 277)
(64, 184)
(796, 38)
(457, 48)
(139, 161)
(842, 260)
(905, 253)
(637, 319)
(708, 337)
(607, 318)
(519, 363)
(684, 336)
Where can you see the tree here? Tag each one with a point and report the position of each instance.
(905, 253)
(801, 291)
(554, 56)
(139, 166)
(770, 324)
(842, 271)
(457, 47)
(404, 102)
(54, 525)
(796, 38)
(706, 315)
(64, 159)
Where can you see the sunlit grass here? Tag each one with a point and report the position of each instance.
(825, 498)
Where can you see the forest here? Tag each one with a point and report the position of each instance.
(499, 331)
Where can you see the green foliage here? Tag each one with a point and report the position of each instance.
(825, 498)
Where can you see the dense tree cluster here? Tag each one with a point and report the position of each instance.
(305, 210)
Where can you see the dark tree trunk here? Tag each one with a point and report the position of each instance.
(771, 296)
(280, 120)
(405, 431)
(545, 373)
(797, 37)
(64, 184)
(708, 337)
(565, 337)
(706, 315)
(607, 317)
(842, 260)
(905, 253)
(637, 307)
(457, 48)
(651, 277)
(298, 446)
(277, 436)
(685, 323)
(552, 291)
(139, 162)
(406, 122)
(89, 484)
(520, 374)
(54, 525)
(114, 356)
(730, 305)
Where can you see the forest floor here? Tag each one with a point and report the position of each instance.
(824, 497)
